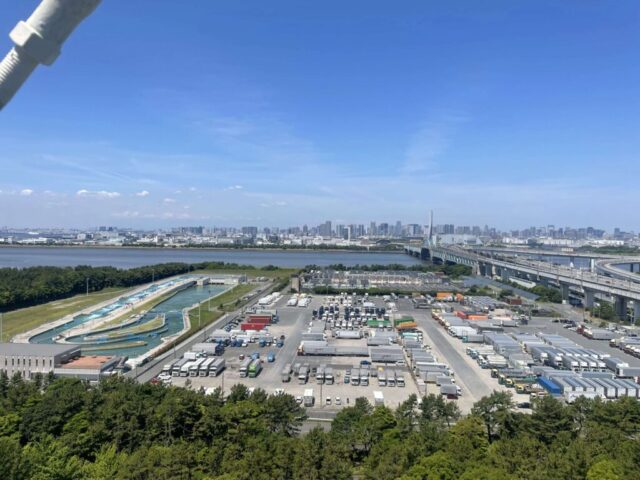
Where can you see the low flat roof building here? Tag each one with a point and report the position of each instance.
(87, 368)
(31, 358)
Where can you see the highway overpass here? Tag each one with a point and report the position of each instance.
(623, 287)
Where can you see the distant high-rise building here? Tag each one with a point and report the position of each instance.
(325, 230)
(250, 231)
(373, 230)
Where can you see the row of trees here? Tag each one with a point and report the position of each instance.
(36, 285)
(64, 429)
(452, 270)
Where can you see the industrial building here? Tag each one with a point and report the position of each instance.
(31, 358)
(408, 281)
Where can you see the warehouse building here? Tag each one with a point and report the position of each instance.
(31, 358)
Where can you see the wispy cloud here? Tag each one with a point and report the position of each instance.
(143, 193)
(97, 194)
(169, 200)
(26, 192)
(431, 142)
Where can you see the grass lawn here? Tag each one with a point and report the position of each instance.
(230, 300)
(19, 321)
(253, 273)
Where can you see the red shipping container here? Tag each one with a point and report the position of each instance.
(258, 320)
(264, 318)
(461, 314)
(252, 326)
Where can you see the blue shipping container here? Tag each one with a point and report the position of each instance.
(550, 386)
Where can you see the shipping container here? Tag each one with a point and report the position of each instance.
(176, 368)
(308, 397)
(204, 367)
(382, 378)
(303, 375)
(286, 373)
(549, 385)
(217, 367)
(244, 367)
(255, 368)
(328, 376)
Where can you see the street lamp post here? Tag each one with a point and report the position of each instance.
(87, 286)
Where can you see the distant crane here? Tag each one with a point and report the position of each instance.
(39, 40)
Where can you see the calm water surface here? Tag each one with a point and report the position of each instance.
(21, 257)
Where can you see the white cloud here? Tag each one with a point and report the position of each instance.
(169, 200)
(143, 193)
(235, 187)
(277, 203)
(431, 142)
(127, 214)
(26, 192)
(97, 194)
(192, 189)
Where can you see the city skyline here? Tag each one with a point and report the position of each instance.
(273, 114)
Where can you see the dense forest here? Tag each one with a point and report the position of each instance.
(35, 285)
(64, 429)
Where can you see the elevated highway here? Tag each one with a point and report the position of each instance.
(622, 286)
(533, 252)
(622, 268)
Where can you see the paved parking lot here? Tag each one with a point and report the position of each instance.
(475, 381)
(293, 321)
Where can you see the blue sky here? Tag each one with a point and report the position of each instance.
(285, 112)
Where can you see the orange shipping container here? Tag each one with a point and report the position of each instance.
(407, 326)
(444, 295)
(477, 317)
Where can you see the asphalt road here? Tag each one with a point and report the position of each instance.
(468, 379)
